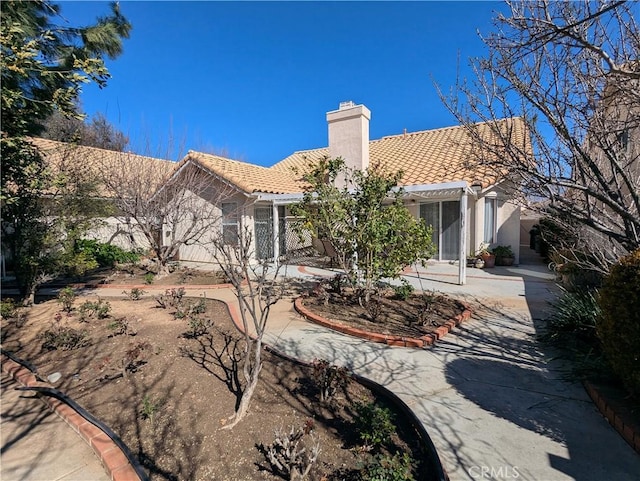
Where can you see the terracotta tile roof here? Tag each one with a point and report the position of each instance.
(430, 156)
(94, 163)
(426, 157)
(299, 160)
(247, 177)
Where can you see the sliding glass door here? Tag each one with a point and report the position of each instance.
(444, 218)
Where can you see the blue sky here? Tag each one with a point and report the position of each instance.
(254, 80)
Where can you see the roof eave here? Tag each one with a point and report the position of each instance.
(278, 199)
(460, 186)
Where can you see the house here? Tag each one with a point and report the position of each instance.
(466, 202)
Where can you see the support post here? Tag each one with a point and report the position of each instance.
(462, 255)
(276, 234)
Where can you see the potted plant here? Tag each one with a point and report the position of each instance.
(486, 255)
(504, 255)
(474, 261)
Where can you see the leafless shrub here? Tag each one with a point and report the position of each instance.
(290, 455)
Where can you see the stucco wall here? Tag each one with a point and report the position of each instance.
(509, 226)
(201, 250)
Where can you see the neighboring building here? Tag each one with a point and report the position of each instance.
(602, 195)
(466, 204)
(92, 164)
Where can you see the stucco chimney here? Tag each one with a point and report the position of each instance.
(349, 134)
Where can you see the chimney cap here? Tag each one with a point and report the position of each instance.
(346, 105)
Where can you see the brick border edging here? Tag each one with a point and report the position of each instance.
(113, 460)
(394, 341)
(628, 433)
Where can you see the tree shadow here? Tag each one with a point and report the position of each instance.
(228, 357)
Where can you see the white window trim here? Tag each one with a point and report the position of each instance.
(230, 219)
(494, 233)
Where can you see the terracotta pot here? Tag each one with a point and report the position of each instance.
(489, 260)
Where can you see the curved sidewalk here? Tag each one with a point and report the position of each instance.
(494, 404)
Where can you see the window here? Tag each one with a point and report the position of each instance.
(230, 223)
(431, 214)
(490, 207)
(623, 139)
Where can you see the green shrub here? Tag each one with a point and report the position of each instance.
(502, 251)
(198, 326)
(149, 277)
(404, 290)
(171, 298)
(191, 309)
(63, 337)
(7, 308)
(66, 297)
(77, 264)
(135, 294)
(106, 255)
(90, 309)
(121, 327)
(149, 408)
(574, 313)
(374, 424)
(384, 467)
(619, 327)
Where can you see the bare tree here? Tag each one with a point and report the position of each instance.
(257, 288)
(170, 205)
(97, 132)
(571, 70)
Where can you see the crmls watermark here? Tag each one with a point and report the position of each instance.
(492, 472)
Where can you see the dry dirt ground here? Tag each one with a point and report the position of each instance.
(420, 314)
(128, 274)
(167, 394)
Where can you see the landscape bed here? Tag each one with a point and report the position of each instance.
(168, 391)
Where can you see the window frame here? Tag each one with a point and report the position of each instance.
(490, 203)
(230, 219)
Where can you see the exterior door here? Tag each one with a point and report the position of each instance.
(444, 218)
(450, 227)
(263, 230)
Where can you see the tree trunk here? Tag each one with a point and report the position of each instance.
(243, 407)
(252, 376)
(29, 297)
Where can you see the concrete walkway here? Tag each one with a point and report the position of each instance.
(39, 446)
(495, 405)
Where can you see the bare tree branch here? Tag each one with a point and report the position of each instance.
(257, 289)
(571, 70)
(172, 208)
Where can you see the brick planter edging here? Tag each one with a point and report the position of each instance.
(113, 460)
(629, 434)
(396, 341)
